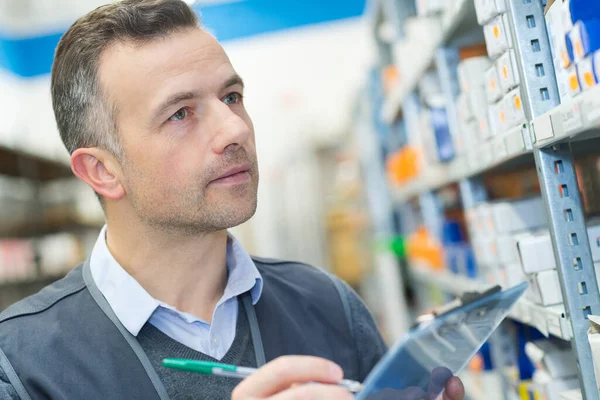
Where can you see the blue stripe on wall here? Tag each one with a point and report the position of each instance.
(31, 57)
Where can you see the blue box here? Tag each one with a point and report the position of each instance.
(443, 139)
(584, 10)
(584, 39)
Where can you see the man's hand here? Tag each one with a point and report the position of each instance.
(287, 378)
(284, 379)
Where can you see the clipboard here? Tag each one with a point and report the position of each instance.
(419, 365)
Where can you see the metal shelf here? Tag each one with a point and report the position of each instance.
(578, 119)
(20, 164)
(441, 30)
(548, 320)
(495, 153)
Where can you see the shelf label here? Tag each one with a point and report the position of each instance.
(572, 120)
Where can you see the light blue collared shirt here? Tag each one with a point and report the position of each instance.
(134, 306)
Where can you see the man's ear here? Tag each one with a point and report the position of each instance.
(100, 170)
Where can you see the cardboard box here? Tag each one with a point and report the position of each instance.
(464, 112)
(574, 394)
(584, 38)
(594, 340)
(536, 253)
(513, 274)
(508, 71)
(492, 85)
(430, 7)
(498, 118)
(585, 73)
(506, 247)
(517, 110)
(545, 288)
(497, 36)
(518, 215)
(593, 231)
(552, 389)
(553, 357)
(471, 73)
(573, 79)
(488, 9)
(558, 46)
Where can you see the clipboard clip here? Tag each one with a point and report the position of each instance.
(461, 301)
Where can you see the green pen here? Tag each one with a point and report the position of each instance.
(233, 371)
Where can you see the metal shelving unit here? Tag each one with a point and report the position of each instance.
(545, 140)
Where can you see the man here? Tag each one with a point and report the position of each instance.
(152, 112)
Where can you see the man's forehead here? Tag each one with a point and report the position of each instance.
(139, 67)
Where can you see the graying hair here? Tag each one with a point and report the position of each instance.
(85, 115)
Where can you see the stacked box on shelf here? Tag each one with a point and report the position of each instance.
(574, 33)
(502, 77)
(496, 229)
(473, 113)
(539, 264)
(555, 368)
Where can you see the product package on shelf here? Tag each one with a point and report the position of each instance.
(430, 7)
(488, 9)
(517, 215)
(583, 39)
(545, 288)
(585, 73)
(497, 36)
(557, 33)
(508, 71)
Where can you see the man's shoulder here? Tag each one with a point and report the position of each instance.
(45, 299)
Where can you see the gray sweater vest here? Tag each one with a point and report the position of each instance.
(66, 343)
(188, 385)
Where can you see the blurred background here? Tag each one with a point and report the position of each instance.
(441, 146)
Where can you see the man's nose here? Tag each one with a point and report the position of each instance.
(230, 129)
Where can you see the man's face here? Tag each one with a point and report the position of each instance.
(189, 162)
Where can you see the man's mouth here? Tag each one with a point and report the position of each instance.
(235, 175)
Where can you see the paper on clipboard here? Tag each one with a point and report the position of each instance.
(420, 364)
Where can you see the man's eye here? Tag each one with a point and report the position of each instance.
(179, 115)
(232, 98)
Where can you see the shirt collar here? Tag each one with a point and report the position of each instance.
(134, 306)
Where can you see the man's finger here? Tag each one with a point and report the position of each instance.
(439, 378)
(454, 390)
(283, 372)
(314, 391)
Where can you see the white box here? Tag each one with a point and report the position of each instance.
(497, 118)
(430, 7)
(573, 79)
(585, 73)
(513, 274)
(477, 99)
(519, 215)
(492, 84)
(536, 253)
(557, 360)
(545, 288)
(558, 47)
(508, 71)
(464, 111)
(516, 112)
(471, 73)
(488, 9)
(497, 36)
(574, 394)
(552, 389)
(506, 247)
(593, 231)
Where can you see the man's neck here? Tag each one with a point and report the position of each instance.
(186, 272)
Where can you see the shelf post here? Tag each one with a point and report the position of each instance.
(572, 251)
(558, 183)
